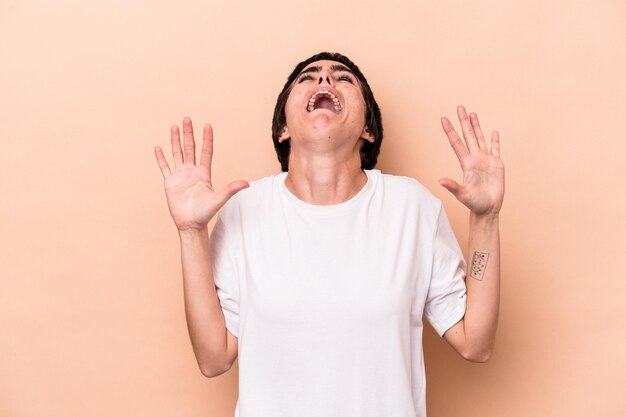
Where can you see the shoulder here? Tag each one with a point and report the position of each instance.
(258, 189)
(249, 197)
(410, 190)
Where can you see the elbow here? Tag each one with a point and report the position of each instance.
(481, 356)
(213, 372)
(215, 369)
(209, 373)
(213, 365)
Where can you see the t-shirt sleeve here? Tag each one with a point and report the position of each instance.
(225, 274)
(446, 299)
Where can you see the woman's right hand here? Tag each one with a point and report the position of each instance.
(190, 195)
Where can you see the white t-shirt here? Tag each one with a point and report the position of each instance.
(327, 301)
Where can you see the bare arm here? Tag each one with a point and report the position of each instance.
(482, 192)
(193, 202)
(474, 336)
(215, 348)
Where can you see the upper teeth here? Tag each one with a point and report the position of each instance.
(311, 105)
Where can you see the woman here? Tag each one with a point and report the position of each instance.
(318, 277)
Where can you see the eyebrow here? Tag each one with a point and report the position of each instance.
(333, 68)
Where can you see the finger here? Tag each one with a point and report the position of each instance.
(231, 189)
(165, 168)
(495, 143)
(478, 131)
(206, 155)
(468, 130)
(455, 141)
(177, 152)
(189, 144)
(450, 185)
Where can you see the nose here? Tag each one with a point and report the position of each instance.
(325, 77)
(322, 79)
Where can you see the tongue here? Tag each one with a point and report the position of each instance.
(324, 103)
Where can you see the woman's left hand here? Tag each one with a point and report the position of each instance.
(483, 171)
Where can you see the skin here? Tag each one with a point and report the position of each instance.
(324, 168)
(324, 162)
(482, 191)
(193, 201)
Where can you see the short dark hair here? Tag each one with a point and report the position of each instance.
(373, 120)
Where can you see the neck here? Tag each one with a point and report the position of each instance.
(324, 179)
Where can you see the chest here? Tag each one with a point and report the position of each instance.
(343, 270)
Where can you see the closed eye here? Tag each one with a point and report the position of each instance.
(345, 78)
(304, 77)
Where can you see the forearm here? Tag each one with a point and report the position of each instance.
(205, 320)
(483, 285)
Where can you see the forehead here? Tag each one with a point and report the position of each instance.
(332, 66)
(325, 63)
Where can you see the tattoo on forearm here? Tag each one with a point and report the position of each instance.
(479, 264)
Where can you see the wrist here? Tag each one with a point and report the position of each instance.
(192, 233)
(484, 217)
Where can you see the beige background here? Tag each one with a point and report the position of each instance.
(91, 304)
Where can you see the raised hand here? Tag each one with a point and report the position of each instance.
(190, 195)
(483, 171)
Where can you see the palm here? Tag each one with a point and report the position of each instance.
(190, 195)
(482, 190)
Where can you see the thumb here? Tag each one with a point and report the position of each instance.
(231, 189)
(450, 185)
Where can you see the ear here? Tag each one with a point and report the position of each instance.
(365, 134)
(284, 135)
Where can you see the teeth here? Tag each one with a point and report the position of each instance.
(311, 105)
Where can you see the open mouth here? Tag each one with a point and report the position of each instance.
(324, 99)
